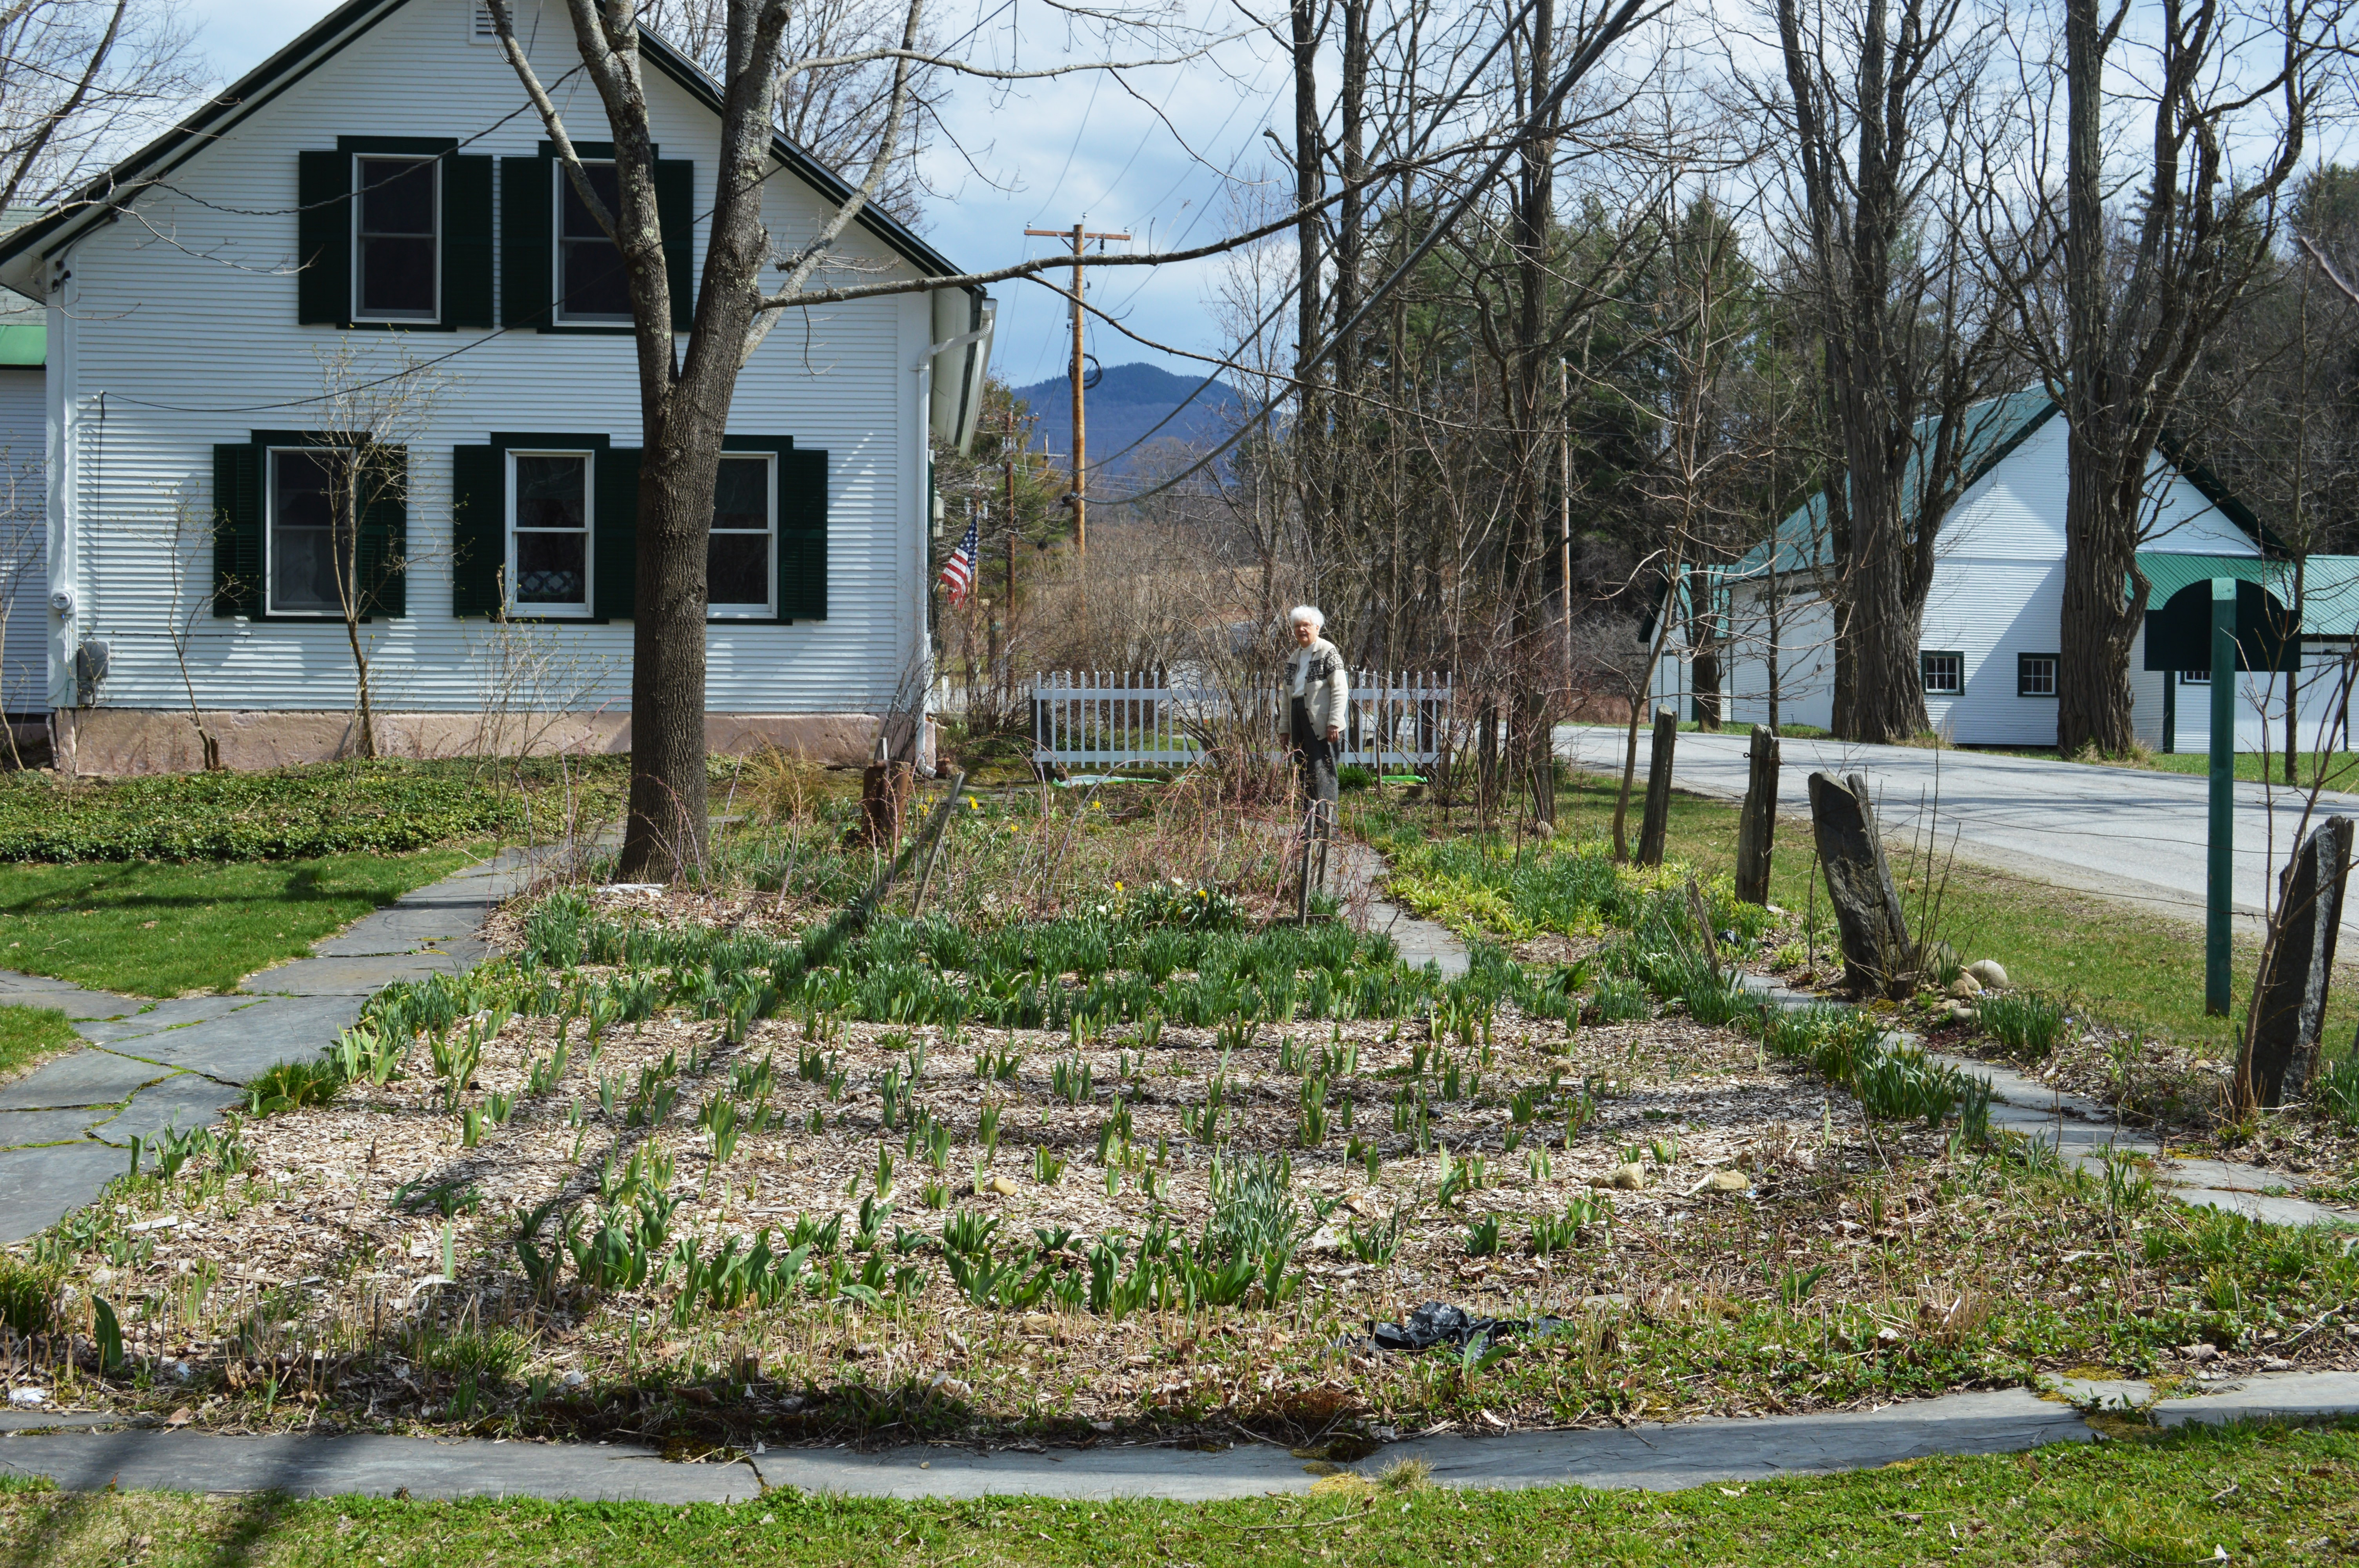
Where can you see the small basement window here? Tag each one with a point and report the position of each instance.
(591, 283)
(310, 534)
(1945, 673)
(397, 259)
(737, 559)
(2035, 675)
(2195, 678)
(549, 525)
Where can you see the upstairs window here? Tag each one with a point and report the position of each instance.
(591, 284)
(396, 254)
(310, 535)
(549, 525)
(738, 580)
(1945, 673)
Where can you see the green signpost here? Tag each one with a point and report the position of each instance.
(2222, 862)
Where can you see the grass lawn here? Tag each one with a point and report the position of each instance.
(30, 1033)
(2136, 970)
(2255, 1494)
(164, 929)
(2342, 767)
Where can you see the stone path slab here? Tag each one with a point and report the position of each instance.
(1645, 1456)
(1356, 870)
(2084, 1131)
(66, 1127)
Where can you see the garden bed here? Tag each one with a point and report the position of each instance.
(709, 1167)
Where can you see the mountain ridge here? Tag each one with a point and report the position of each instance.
(1128, 402)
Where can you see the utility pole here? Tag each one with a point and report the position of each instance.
(1079, 236)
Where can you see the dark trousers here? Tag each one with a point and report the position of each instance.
(1314, 754)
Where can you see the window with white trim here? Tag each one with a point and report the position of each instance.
(550, 501)
(592, 287)
(310, 538)
(2195, 678)
(2035, 675)
(738, 577)
(1945, 673)
(396, 249)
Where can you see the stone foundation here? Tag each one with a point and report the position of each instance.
(109, 742)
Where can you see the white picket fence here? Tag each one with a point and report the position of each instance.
(1092, 721)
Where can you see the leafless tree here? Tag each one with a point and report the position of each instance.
(2156, 214)
(366, 422)
(80, 80)
(1877, 124)
(685, 390)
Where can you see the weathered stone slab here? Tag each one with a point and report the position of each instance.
(1655, 825)
(19, 1128)
(1877, 956)
(40, 1186)
(1756, 823)
(185, 1101)
(84, 1078)
(264, 1031)
(349, 975)
(2289, 1009)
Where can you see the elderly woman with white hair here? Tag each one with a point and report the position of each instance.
(1321, 692)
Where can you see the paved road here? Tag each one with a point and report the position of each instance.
(2124, 832)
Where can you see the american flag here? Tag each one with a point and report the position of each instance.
(958, 572)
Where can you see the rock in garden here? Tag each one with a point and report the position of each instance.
(999, 1184)
(1727, 1182)
(1965, 986)
(1989, 972)
(1629, 1178)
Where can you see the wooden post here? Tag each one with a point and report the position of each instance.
(1868, 914)
(2290, 1006)
(934, 832)
(886, 788)
(1657, 820)
(1756, 826)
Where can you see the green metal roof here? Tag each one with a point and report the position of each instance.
(2166, 573)
(1994, 429)
(2330, 596)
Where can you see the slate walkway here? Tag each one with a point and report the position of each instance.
(75, 1452)
(66, 1128)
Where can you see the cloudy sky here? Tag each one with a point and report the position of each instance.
(1030, 155)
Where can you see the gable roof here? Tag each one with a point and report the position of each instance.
(345, 25)
(1995, 428)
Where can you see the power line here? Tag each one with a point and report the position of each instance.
(1620, 22)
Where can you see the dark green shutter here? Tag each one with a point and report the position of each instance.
(676, 217)
(323, 238)
(382, 563)
(467, 242)
(802, 536)
(527, 243)
(237, 530)
(478, 529)
(615, 533)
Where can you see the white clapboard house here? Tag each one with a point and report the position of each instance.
(1990, 645)
(378, 194)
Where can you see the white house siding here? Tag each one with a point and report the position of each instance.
(1997, 592)
(159, 353)
(24, 543)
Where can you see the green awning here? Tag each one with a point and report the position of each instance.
(2166, 573)
(24, 343)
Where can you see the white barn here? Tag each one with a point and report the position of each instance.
(377, 194)
(1989, 650)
